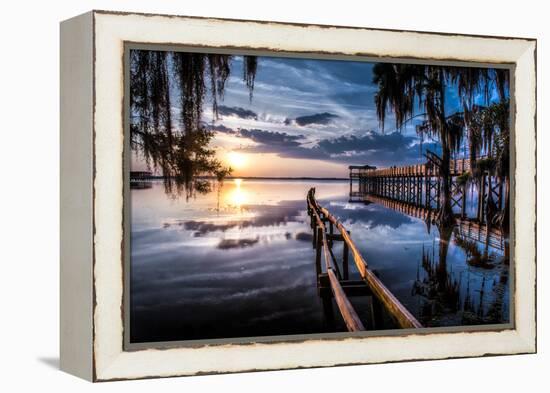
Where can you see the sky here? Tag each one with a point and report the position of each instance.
(308, 118)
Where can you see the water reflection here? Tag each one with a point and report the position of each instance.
(238, 196)
(239, 263)
(140, 185)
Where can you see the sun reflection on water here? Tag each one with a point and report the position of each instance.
(238, 196)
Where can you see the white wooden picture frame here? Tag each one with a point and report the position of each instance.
(92, 195)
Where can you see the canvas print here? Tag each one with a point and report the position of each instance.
(275, 195)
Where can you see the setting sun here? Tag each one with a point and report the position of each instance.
(237, 160)
(238, 196)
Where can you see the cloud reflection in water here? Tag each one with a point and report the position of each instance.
(199, 272)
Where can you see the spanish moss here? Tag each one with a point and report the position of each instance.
(168, 91)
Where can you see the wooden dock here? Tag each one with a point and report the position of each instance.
(136, 176)
(421, 185)
(327, 230)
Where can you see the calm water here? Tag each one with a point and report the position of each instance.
(240, 263)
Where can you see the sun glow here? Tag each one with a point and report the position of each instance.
(238, 196)
(237, 160)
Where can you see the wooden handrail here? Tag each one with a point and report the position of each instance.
(354, 251)
(399, 312)
(459, 165)
(351, 319)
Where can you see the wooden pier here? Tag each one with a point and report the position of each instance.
(421, 185)
(136, 176)
(324, 226)
(140, 180)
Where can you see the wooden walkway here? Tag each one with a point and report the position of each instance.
(140, 176)
(457, 168)
(421, 185)
(323, 225)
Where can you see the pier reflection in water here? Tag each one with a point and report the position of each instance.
(239, 263)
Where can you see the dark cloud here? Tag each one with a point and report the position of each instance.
(318, 118)
(226, 244)
(221, 128)
(290, 150)
(272, 138)
(369, 141)
(372, 148)
(237, 111)
(263, 137)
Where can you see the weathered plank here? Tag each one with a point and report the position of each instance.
(394, 307)
(351, 319)
(402, 316)
(351, 287)
(349, 315)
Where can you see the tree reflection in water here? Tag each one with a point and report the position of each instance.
(167, 94)
(441, 289)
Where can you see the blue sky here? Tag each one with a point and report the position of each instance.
(309, 118)
(322, 111)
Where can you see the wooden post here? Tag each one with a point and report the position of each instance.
(370, 307)
(481, 210)
(464, 192)
(438, 202)
(426, 192)
(386, 299)
(328, 311)
(412, 185)
(397, 187)
(345, 260)
(377, 316)
(314, 228)
(318, 236)
(419, 190)
(479, 197)
(500, 193)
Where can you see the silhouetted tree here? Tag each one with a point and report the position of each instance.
(406, 89)
(167, 95)
(403, 86)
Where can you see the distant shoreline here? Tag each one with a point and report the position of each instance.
(253, 178)
(284, 178)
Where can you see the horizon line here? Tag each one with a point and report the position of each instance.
(158, 177)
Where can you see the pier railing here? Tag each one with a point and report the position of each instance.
(320, 218)
(140, 175)
(457, 167)
(423, 185)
